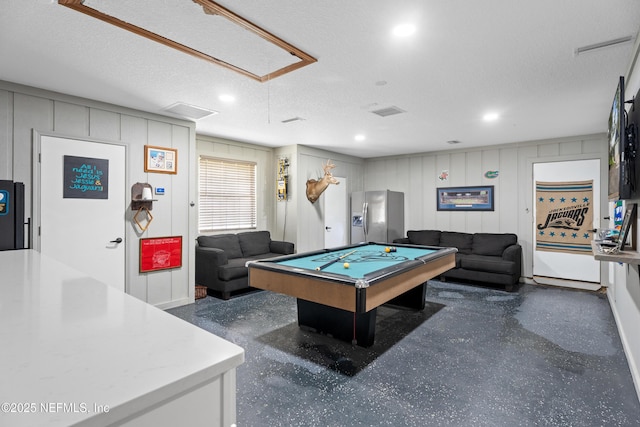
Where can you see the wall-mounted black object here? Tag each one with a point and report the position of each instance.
(11, 215)
(630, 165)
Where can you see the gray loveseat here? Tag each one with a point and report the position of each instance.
(493, 258)
(221, 259)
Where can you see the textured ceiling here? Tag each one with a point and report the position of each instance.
(467, 58)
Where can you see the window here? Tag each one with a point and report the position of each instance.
(227, 195)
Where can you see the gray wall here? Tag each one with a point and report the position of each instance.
(624, 288)
(301, 221)
(265, 176)
(417, 176)
(25, 109)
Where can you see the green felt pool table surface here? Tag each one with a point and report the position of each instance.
(366, 260)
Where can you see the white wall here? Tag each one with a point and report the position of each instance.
(265, 164)
(305, 220)
(624, 291)
(25, 109)
(418, 177)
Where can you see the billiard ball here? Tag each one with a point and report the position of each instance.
(387, 249)
(345, 265)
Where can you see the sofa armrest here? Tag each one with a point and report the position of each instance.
(207, 262)
(280, 247)
(402, 240)
(514, 253)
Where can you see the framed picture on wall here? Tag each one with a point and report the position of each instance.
(160, 253)
(161, 160)
(478, 198)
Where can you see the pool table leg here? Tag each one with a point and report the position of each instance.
(337, 322)
(413, 298)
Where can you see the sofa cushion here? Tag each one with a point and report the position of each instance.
(254, 242)
(227, 242)
(490, 264)
(452, 239)
(492, 244)
(236, 268)
(424, 237)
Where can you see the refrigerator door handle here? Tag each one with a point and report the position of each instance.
(365, 207)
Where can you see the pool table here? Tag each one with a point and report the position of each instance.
(341, 300)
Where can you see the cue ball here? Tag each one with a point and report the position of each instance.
(345, 265)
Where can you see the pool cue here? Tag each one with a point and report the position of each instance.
(322, 267)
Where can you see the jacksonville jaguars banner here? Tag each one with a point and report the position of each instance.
(564, 216)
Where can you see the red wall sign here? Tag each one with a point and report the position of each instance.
(160, 253)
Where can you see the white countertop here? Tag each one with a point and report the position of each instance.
(70, 345)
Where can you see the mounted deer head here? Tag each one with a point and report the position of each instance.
(316, 187)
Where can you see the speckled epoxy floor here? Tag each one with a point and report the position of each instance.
(475, 357)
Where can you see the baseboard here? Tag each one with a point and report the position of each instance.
(173, 304)
(635, 374)
(565, 283)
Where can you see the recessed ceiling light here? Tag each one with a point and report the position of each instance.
(404, 30)
(490, 117)
(227, 98)
(359, 137)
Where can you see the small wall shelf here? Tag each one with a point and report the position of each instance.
(626, 257)
(137, 202)
(142, 205)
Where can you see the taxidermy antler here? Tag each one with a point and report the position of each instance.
(316, 187)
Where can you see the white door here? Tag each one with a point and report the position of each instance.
(336, 212)
(568, 266)
(84, 226)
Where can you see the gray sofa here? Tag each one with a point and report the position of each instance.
(221, 259)
(492, 258)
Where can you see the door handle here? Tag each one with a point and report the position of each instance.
(118, 240)
(327, 228)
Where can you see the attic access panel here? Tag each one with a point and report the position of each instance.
(204, 29)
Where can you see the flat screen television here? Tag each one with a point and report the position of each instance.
(616, 136)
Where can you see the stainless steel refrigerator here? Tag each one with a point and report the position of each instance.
(377, 216)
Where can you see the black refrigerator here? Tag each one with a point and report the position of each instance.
(11, 215)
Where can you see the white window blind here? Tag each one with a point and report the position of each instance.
(227, 198)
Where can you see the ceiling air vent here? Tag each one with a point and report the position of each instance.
(188, 111)
(389, 111)
(293, 119)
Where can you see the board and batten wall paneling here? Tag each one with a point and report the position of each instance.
(177, 200)
(310, 217)
(430, 182)
(105, 125)
(507, 199)
(134, 129)
(490, 162)
(286, 213)
(25, 109)
(265, 175)
(525, 201)
(476, 161)
(513, 188)
(70, 119)
(159, 285)
(413, 202)
(6, 130)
